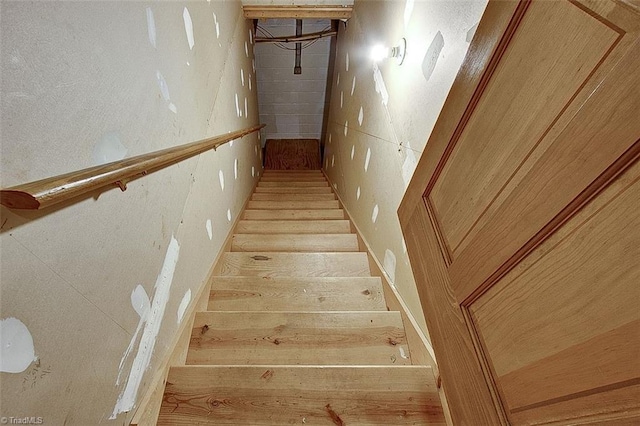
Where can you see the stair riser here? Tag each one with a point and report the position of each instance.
(296, 294)
(318, 214)
(296, 338)
(277, 184)
(293, 197)
(295, 243)
(299, 178)
(293, 190)
(293, 227)
(292, 205)
(266, 264)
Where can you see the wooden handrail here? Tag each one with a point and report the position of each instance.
(47, 192)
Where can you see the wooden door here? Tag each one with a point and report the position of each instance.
(522, 220)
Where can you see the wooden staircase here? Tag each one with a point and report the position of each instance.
(297, 330)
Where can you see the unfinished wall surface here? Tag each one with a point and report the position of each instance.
(382, 114)
(292, 105)
(93, 292)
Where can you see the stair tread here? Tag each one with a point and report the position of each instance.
(293, 190)
(277, 395)
(292, 183)
(296, 294)
(292, 197)
(292, 205)
(314, 173)
(298, 178)
(289, 214)
(294, 242)
(293, 227)
(277, 264)
(293, 338)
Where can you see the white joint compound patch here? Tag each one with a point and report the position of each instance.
(408, 166)
(217, 25)
(374, 214)
(346, 127)
(246, 49)
(251, 36)
(402, 353)
(360, 116)
(389, 265)
(341, 98)
(353, 85)
(209, 229)
(408, 11)
(229, 215)
(253, 171)
(151, 27)
(109, 149)
(249, 82)
(221, 179)
(338, 80)
(188, 27)
(367, 159)
(431, 56)
(471, 32)
(333, 160)
(358, 193)
(235, 169)
(246, 108)
(184, 303)
(152, 321)
(346, 62)
(381, 88)
(237, 106)
(162, 84)
(353, 151)
(16, 346)
(173, 108)
(242, 76)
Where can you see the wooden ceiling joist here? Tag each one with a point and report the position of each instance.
(297, 12)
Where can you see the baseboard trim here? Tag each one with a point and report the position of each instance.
(147, 412)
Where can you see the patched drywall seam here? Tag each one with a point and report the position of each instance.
(152, 319)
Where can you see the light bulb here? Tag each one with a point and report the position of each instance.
(379, 52)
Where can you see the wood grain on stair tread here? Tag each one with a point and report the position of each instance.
(269, 264)
(293, 227)
(269, 184)
(314, 173)
(319, 214)
(295, 242)
(292, 205)
(295, 338)
(293, 190)
(298, 178)
(292, 197)
(279, 395)
(296, 294)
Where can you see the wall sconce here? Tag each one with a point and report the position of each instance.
(380, 52)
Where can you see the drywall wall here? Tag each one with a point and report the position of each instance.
(292, 105)
(381, 114)
(93, 291)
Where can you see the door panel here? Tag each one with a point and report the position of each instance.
(522, 221)
(517, 104)
(568, 322)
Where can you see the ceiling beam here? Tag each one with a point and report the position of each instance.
(297, 12)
